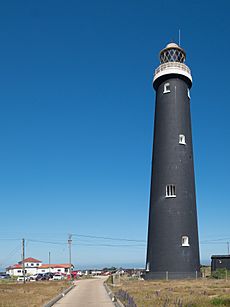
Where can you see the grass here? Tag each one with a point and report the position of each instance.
(33, 294)
(180, 293)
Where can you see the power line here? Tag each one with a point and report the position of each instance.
(11, 254)
(215, 240)
(6, 239)
(63, 242)
(107, 238)
(85, 244)
(47, 242)
(112, 245)
(110, 238)
(211, 243)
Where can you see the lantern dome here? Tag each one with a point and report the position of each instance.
(172, 62)
(172, 53)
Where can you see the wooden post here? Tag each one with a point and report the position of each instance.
(23, 260)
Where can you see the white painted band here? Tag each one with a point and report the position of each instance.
(172, 68)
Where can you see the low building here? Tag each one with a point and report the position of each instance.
(35, 266)
(54, 268)
(220, 262)
(31, 267)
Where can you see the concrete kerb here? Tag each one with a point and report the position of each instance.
(58, 297)
(114, 299)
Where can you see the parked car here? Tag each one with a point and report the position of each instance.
(73, 274)
(49, 275)
(40, 276)
(33, 277)
(4, 276)
(58, 277)
(21, 278)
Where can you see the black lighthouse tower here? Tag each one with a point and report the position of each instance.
(173, 247)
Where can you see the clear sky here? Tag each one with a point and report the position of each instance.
(76, 124)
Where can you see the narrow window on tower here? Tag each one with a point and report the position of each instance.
(185, 241)
(166, 88)
(182, 139)
(189, 94)
(170, 190)
(148, 267)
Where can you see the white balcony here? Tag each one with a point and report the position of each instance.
(172, 68)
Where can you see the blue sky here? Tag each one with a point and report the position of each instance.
(76, 123)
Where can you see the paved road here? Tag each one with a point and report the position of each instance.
(87, 293)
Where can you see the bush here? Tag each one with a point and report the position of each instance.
(220, 274)
(221, 301)
(109, 280)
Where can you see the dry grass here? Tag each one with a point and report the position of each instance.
(33, 294)
(200, 293)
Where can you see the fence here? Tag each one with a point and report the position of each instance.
(126, 299)
(172, 275)
(221, 274)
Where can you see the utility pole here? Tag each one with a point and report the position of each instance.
(49, 262)
(23, 260)
(70, 260)
(228, 248)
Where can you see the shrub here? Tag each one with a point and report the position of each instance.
(221, 301)
(220, 274)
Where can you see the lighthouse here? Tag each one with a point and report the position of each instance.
(173, 246)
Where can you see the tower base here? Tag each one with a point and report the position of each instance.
(172, 275)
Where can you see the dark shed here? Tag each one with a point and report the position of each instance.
(220, 262)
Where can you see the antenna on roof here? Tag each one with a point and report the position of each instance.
(179, 37)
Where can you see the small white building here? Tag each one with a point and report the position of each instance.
(35, 266)
(54, 268)
(31, 266)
